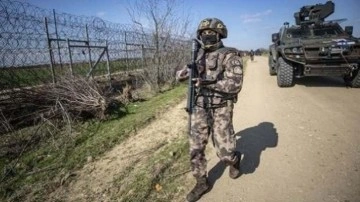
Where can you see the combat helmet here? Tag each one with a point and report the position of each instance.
(213, 24)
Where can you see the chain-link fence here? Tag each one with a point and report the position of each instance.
(38, 45)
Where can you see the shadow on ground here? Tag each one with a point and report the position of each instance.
(320, 81)
(251, 142)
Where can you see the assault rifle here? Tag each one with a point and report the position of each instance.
(192, 74)
(193, 77)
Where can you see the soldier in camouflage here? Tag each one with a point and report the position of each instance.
(214, 103)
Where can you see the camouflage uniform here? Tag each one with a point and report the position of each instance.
(214, 107)
(214, 103)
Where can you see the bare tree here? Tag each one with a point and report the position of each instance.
(168, 23)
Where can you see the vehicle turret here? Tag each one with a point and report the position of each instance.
(311, 14)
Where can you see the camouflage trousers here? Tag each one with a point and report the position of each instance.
(217, 124)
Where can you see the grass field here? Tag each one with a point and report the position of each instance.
(42, 74)
(33, 171)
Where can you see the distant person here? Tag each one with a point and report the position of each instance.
(252, 55)
(214, 103)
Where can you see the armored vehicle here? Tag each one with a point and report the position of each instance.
(315, 47)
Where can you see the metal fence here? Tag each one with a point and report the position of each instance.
(38, 45)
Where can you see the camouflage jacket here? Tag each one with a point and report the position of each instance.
(226, 67)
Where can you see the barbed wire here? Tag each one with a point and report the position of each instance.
(23, 40)
(28, 32)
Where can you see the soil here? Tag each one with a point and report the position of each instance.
(299, 144)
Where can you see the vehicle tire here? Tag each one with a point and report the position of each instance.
(272, 70)
(354, 80)
(285, 74)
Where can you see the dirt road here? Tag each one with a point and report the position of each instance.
(299, 144)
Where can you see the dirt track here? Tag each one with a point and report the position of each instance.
(299, 144)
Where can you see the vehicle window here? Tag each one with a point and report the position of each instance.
(326, 31)
(297, 33)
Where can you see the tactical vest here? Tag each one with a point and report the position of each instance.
(214, 66)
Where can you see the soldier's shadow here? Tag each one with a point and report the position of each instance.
(251, 142)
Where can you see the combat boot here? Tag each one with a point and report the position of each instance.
(234, 170)
(202, 186)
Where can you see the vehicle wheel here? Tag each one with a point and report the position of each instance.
(285, 74)
(272, 70)
(353, 80)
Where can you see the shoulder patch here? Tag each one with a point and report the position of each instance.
(235, 62)
(238, 70)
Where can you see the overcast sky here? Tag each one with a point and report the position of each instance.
(250, 23)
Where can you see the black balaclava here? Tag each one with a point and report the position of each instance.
(211, 42)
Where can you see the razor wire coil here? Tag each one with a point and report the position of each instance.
(23, 40)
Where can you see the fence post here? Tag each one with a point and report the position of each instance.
(143, 55)
(88, 44)
(70, 57)
(50, 51)
(57, 39)
(126, 53)
(108, 63)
